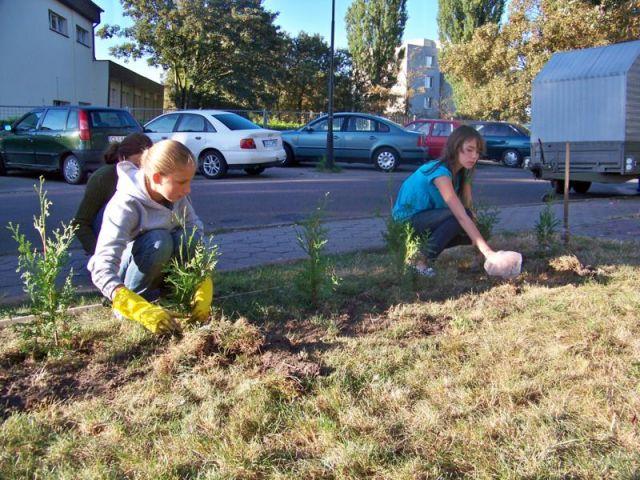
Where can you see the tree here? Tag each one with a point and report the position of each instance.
(496, 68)
(306, 62)
(458, 19)
(215, 51)
(374, 34)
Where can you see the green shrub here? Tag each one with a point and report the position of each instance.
(547, 224)
(52, 328)
(403, 244)
(196, 259)
(316, 278)
(487, 218)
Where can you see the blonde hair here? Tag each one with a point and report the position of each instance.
(165, 157)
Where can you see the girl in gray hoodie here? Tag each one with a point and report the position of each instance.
(142, 229)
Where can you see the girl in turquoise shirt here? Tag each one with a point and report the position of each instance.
(437, 198)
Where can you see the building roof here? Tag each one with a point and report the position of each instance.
(607, 61)
(86, 8)
(132, 78)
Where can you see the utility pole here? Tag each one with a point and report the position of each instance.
(330, 118)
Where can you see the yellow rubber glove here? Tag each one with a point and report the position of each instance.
(202, 301)
(134, 307)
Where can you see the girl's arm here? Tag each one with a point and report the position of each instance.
(119, 224)
(467, 200)
(445, 186)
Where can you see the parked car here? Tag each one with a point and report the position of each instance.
(506, 142)
(358, 137)
(220, 140)
(68, 139)
(437, 132)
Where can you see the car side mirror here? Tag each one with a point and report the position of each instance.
(308, 129)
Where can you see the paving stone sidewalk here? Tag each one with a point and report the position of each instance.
(607, 218)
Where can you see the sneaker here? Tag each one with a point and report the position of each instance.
(424, 271)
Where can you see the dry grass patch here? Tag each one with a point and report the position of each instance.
(461, 376)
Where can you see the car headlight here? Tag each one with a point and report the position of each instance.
(629, 164)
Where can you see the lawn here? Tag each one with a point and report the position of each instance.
(460, 376)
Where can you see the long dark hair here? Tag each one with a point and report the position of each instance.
(132, 144)
(453, 147)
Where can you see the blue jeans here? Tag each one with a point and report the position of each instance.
(444, 229)
(145, 257)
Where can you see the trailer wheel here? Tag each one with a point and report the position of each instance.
(580, 187)
(558, 186)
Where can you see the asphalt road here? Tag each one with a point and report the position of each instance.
(281, 196)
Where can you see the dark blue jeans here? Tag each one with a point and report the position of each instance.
(145, 258)
(444, 229)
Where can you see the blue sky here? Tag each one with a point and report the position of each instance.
(311, 16)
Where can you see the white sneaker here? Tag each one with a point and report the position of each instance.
(424, 271)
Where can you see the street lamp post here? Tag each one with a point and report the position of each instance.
(330, 118)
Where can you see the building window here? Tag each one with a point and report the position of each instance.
(82, 36)
(428, 61)
(428, 82)
(427, 102)
(59, 103)
(58, 23)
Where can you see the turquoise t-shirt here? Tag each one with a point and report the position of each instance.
(418, 192)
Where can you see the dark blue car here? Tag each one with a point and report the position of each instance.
(506, 142)
(357, 137)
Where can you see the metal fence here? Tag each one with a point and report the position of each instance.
(277, 119)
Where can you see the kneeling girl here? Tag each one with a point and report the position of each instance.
(142, 229)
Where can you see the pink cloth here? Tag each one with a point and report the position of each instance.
(503, 264)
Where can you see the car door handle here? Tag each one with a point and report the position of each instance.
(164, 138)
(198, 138)
(335, 137)
(372, 137)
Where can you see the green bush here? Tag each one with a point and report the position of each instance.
(52, 329)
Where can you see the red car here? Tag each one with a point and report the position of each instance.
(436, 131)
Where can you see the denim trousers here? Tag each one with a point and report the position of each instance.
(145, 258)
(444, 230)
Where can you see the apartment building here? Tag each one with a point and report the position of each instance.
(48, 58)
(421, 89)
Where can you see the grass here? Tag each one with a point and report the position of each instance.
(463, 377)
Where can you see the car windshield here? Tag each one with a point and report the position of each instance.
(522, 129)
(235, 122)
(111, 119)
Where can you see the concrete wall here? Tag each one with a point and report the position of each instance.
(39, 65)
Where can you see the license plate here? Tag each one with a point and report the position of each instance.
(116, 138)
(270, 143)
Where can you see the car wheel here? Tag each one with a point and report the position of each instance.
(386, 159)
(580, 187)
(3, 169)
(290, 159)
(511, 158)
(558, 186)
(212, 164)
(254, 170)
(72, 170)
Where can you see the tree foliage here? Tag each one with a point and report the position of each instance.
(458, 19)
(215, 51)
(374, 33)
(492, 73)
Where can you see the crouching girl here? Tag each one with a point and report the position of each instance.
(437, 198)
(142, 230)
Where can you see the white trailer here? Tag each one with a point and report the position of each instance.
(590, 99)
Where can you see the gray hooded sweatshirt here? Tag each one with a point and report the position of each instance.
(130, 213)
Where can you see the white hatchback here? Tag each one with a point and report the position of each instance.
(220, 140)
